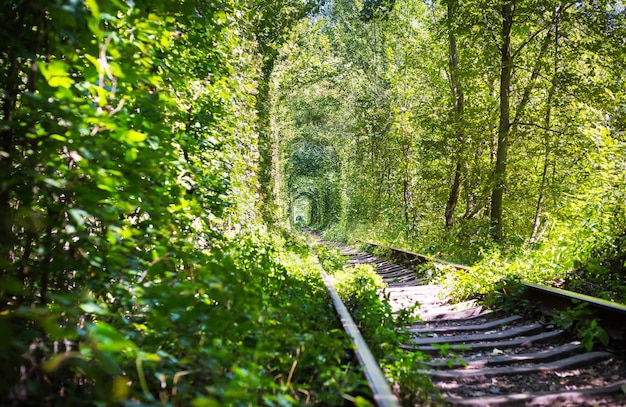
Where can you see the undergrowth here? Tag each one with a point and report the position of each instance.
(252, 325)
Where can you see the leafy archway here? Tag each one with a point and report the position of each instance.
(303, 210)
(312, 183)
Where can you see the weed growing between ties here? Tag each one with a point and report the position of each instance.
(504, 293)
(577, 321)
(360, 289)
(507, 297)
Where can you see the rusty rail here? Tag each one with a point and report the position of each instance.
(610, 315)
(383, 396)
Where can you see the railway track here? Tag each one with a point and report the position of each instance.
(503, 359)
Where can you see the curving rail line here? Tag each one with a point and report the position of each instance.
(504, 359)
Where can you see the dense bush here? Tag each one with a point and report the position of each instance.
(251, 326)
(134, 269)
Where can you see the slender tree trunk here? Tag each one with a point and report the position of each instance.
(537, 68)
(535, 235)
(406, 191)
(469, 194)
(504, 125)
(539, 207)
(344, 197)
(453, 198)
(459, 106)
(506, 128)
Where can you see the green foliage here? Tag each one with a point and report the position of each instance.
(593, 335)
(359, 288)
(577, 321)
(142, 143)
(330, 258)
(376, 9)
(602, 273)
(432, 271)
(468, 284)
(334, 233)
(370, 85)
(249, 327)
(506, 296)
(133, 266)
(415, 387)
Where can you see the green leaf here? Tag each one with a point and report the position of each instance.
(130, 155)
(93, 6)
(362, 402)
(94, 308)
(109, 339)
(603, 336)
(60, 82)
(106, 187)
(133, 137)
(56, 361)
(56, 73)
(120, 390)
(58, 137)
(151, 357)
(205, 402)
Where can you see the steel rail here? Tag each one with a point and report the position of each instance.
(383, 396)
(610, 315)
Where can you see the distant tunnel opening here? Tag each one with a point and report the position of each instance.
(301, 211)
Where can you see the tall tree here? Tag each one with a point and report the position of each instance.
(504, 124)
(459, 107)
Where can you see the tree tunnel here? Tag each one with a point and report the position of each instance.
(304, 210)
(312, 183)
(313, 204)
(307, 137)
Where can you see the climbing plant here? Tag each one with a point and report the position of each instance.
(134, 266)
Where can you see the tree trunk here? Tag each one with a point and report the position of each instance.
(406, 190)
(453, 198)
(535, 235)
(459, 106)
(504, 124)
